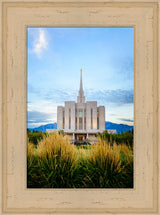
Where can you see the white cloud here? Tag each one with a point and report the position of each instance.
(40, 43)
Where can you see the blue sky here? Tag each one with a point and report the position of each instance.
(55, 57)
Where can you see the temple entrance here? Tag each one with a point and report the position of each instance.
(80, 137)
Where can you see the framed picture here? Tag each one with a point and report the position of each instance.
(130, 26)
(80, 121)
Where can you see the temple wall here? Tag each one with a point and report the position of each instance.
(60, 117)
(92, 138)
(69, 137)
(69, 105)
(101, 118)
(91, 105)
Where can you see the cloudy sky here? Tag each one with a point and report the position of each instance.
(55, 57)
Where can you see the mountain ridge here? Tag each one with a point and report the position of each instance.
(108, 125)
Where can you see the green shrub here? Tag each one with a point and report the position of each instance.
(126, 138)
(35, 137)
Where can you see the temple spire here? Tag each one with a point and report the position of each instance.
(81, 86)
(80, 97)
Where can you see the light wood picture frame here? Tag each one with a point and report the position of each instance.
(16, 16)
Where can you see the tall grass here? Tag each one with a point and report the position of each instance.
(55, 163)
(104, 166)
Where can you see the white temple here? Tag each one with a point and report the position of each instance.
(81, 121)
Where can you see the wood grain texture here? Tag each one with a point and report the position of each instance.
(1, 108)
(144, 17)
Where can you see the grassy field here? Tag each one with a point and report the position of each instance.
(55, 163)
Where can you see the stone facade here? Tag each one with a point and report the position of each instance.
(111, 131)
(51, 130)
(81, 121)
